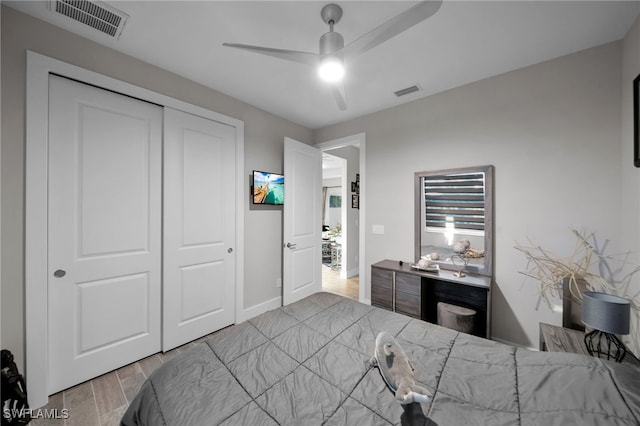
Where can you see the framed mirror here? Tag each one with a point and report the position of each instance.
(454, 218)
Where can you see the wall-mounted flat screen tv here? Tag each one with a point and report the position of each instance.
(268, 188)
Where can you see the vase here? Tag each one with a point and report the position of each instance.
(572, 305)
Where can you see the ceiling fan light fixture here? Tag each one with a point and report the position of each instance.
(332, 53)
(331, 69)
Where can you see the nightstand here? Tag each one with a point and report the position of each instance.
(554, 338)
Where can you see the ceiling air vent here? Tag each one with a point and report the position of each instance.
(408, 90)
(95, 14)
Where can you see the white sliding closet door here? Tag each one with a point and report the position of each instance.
(199, 227)
(104, 245)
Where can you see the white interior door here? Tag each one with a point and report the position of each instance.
(199, 227)
(104, 246)
(302, 229)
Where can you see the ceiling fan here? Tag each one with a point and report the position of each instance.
(333, 53)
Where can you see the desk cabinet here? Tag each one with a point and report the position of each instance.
(396, 291)
(408, 294)
(400, 288)
(382, 288)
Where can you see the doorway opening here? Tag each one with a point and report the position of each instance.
(340, 217)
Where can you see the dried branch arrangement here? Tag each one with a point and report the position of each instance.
(551, 270)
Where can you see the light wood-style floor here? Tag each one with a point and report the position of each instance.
(332, 283)
(103, 400)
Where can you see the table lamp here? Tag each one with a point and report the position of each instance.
(607, 315)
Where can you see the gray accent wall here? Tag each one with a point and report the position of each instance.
(552, 131)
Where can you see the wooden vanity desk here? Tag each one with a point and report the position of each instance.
(398, 287)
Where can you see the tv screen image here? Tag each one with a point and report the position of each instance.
(268, 188)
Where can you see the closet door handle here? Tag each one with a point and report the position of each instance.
(230, 250)
(60, 273)
(291, 246)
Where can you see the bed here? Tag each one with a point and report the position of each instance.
(307, 364)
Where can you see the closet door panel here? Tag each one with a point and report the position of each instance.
(104, 242)
(199, 227)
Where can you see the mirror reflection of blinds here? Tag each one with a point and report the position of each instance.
(455, 201)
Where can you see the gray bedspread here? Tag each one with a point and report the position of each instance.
(306, 364)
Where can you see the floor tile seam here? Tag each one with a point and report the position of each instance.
(95, 401)
(126, 400)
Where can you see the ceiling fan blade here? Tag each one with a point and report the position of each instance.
(339, 95)
(290, 55)
(391, 28)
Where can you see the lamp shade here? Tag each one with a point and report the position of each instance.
(606, 312)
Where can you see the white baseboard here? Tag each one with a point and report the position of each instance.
(352, 272)
(260, 308)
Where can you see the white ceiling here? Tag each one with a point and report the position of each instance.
(464, 41)
(331, 166)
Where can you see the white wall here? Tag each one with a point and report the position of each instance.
(630, 208)
(553, 133)
(264, 150)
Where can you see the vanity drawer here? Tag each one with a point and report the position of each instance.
(381, 278)
(410, 284)
(408, 304)
(382, 288)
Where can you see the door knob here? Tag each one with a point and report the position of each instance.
(60, 273)
(291, 246)
(230, 250)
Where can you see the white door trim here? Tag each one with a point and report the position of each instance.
(37, 99)
(360, 140)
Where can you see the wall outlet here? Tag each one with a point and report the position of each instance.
(278, 282)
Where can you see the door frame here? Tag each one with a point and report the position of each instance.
(360, 140)
(36, 269)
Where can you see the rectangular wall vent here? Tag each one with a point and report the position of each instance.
(408, 90)
(93, 13)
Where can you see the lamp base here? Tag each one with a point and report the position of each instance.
(600, 343)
